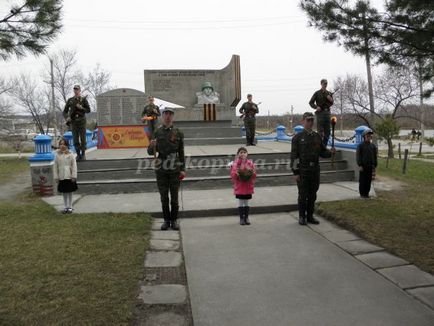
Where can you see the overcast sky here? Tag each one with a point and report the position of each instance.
(282, 60)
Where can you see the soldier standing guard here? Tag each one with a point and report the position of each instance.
(306, 149)
(74, 113)
(168, 142)
(321, 101)
(248, 111)
(150, 113)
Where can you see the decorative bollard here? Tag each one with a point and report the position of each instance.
(88, 137)
(68, 136)
(298, 129)
(280, 132)
(359, 131)
(41, 166)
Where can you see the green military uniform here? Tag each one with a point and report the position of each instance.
(169, 163)
(306, 150)
(74, 113)
(151, 110)
(249, 110)
(319, 98)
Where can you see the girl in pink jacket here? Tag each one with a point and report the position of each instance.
(243, 174)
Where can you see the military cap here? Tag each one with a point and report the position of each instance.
(168, 110)
(308, 115)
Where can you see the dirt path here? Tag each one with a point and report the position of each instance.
(14, 187)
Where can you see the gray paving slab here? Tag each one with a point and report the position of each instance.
(165, 235)
(163, 294)
(324, 226)
(163, 259)
(197, 200)
(407, 276)
(158, 244)
(357, 247)
(156, 225)
(426, 295)
(340, 235)
(276, 272)
(381, 259)
(165, 319)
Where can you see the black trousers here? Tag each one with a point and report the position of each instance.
(365, 179)
(307, 189)
(169, 183)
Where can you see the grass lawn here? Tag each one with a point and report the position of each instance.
(78, 269)
(402, 221)
(10, 167)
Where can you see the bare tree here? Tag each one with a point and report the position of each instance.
(66, 75)
(96, 82)
(394, 88)
(5, 105)
(31, 97)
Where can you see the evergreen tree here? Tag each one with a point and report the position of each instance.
(29, 27)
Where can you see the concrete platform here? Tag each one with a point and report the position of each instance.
(275, 272)
(261, 147)
(195, 203)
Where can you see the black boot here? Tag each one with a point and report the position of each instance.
(166, 215)
(246, 215)
(302, 220)
(312, 220)
(78, 157)
(174, 218)
(83, 155)
(302, 213)
(241, 213)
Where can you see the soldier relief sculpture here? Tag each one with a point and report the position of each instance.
(208, 95)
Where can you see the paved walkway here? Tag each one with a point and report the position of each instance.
(216, 201)
(276, 272)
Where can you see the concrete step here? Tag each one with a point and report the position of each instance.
(201, 183)
(196, 171)
(203, 124)
(214, 141)
(195, 160)
(209, 132)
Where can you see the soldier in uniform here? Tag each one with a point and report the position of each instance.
(306, 149)
(74, 113)
(168, 143)
(248, 111)
(151, 112)
(321, 101)
(366, 157)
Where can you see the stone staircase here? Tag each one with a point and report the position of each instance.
(203, 172)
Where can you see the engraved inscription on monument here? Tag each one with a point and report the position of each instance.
(120, 107)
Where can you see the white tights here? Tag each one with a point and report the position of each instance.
(67, 199)
(243, 202)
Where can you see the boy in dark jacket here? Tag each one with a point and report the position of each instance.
(366, 157)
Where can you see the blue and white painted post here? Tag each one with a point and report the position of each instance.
(298, 129)
(41, 166)
(68, 136)
(359, 131)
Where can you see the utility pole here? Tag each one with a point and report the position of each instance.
(268, 120)
(292, 116)
(53, 109)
